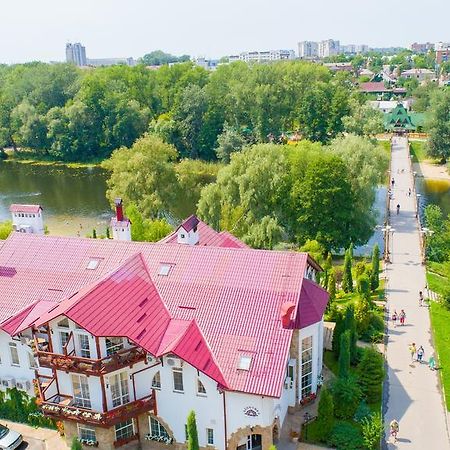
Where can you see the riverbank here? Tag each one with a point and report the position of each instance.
(428, 169)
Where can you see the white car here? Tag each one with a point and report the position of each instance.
(9, 439)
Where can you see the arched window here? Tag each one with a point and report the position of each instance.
(200, 387)
(157, 430)
(156, 382)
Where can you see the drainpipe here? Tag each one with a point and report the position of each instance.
(225, 419)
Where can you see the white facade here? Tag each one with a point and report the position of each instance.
(308, 50)
(263, 56)
(76, 54)
(188, 237)
(28, 222)
(121, 231)
(328, 48)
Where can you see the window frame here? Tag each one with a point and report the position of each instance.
(88, 429)
(179, 371)
(84, 352)
(120, 393)
(200, 384)
(208, 441)
(85, 396)
(32, 363)
(156, 377)
(161, 429)
(114, 348)
(13, 345)
(125, 425)
(306, 366)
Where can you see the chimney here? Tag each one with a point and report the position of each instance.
(119, 209)
(286, 311)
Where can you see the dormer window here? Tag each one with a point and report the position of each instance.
(245, 362)
(93, 264)
(164, 270)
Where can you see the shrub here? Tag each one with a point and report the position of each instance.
(344, 355)
(362, 316)
(372, 431)
(375, 330)
(325, 421)
(360, 268)
(345, 437)
(371, 374)
(363, 286)
(362, 412)
(346, 396)
(331, 288)
(192, 432)
(76, 444)
(338, 330)
(350, 326)
(339, 274)
(347, 280)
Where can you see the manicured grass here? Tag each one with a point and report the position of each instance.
(440, 319)
(386, 146)
(418, 151)
(436, 282)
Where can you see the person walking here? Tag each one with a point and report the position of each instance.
(412, 350)
(402, 317)
(409, 192)
(394, 318)
(420, 353)
(432, 363)
(393, 182)
(394, 429)
(398, 208)
(420, 298)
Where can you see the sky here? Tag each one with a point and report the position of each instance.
(38, 30)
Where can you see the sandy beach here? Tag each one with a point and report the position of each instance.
(433, 171)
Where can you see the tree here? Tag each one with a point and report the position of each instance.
(314, 249)
(192, 432)
(364, 120)
(337, 333)
(94, 233)
(264, 234)
(5, 229)
(144, 175)
(159, 58)
(371, 374)
(344, 355)
(347, 281)
(324, 203)
(346, 396)
(372, 431)
(331, 288)
(362, 315)
(439, 126)
(325, 419)
(228, 142)
(350, 327)
(375, 272)
(145, 229)
(363, 286)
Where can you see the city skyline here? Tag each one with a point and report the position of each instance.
(108, 28)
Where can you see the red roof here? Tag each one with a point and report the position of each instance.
(215, 305)
(190, 223)
(207, 236)
(373, 86)
(30, 209)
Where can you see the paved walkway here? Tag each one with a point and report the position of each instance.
(412, 394)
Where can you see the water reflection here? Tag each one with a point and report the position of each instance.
(434, 191)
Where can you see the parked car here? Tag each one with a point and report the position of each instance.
(9, 439)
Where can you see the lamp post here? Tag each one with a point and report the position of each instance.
(387, 230)
(425, 233)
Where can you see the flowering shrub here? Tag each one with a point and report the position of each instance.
(165, 440)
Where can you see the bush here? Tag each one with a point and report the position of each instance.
(350, 326)
(338, 330)
(372, 431)
(347, 280)
(360, 268)
(363, 286)
(345, 437)
(362, 316)
(325, 420)
(76, 444)
(375, 273)
(362, 412)
(331, 288)
(346, 396)
(375, 331)
(371, 374)
(192, 432)
(344, 355)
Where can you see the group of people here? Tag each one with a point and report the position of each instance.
(400, 317)
(417, 354)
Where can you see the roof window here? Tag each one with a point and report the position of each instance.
(164, 270)
(93, 264)
(244, 362)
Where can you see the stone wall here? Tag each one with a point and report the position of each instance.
(105, 436)
(265, 432)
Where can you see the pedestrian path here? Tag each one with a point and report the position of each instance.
(412, 392)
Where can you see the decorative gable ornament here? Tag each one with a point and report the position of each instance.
(251, 411)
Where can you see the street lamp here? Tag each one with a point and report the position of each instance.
(387, 230)
(425, 232)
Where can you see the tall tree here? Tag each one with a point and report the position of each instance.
(439, 126)
(347, 281)
(350, 328)
(192, 432)
(344, 355)
(371, 374)
(325, 419)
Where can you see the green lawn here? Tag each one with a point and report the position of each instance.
(440, 319)
(386, 146)
(418, 151)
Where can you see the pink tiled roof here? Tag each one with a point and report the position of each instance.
(313, 301)
(30, 209)
(190, 223)
(225, 300)
(208, 237)
(373, 86)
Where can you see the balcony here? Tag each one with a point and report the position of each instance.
(72, 363)
(62, 407)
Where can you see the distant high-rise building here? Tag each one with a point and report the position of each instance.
(352, 49)
(308, 50)
(103, 62)
(328, 48)
(263, 56)
(422, 48)
(76, 54)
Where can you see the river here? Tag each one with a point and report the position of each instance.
(74, 199)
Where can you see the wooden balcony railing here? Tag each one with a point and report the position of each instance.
(63, 407)
(72, 363)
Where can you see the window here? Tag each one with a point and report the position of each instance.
(306, 366)
(92, 264)
(164, 270)
(63, 323)
(244, 362)
(14, 354)
(124, 430)
(156, 382)
(113, 345)
(83, 340)
(156, 429)
(81, 395)
(200, 387)
(178, 380)
(31, 360)
(119, 389)
(64, 338)
(86, 433)
(210, 436)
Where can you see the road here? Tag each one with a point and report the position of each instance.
(412, 392)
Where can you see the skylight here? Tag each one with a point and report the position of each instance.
(92, 264)
(244, 362)
(164, 270)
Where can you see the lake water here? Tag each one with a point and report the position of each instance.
(74, 198)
